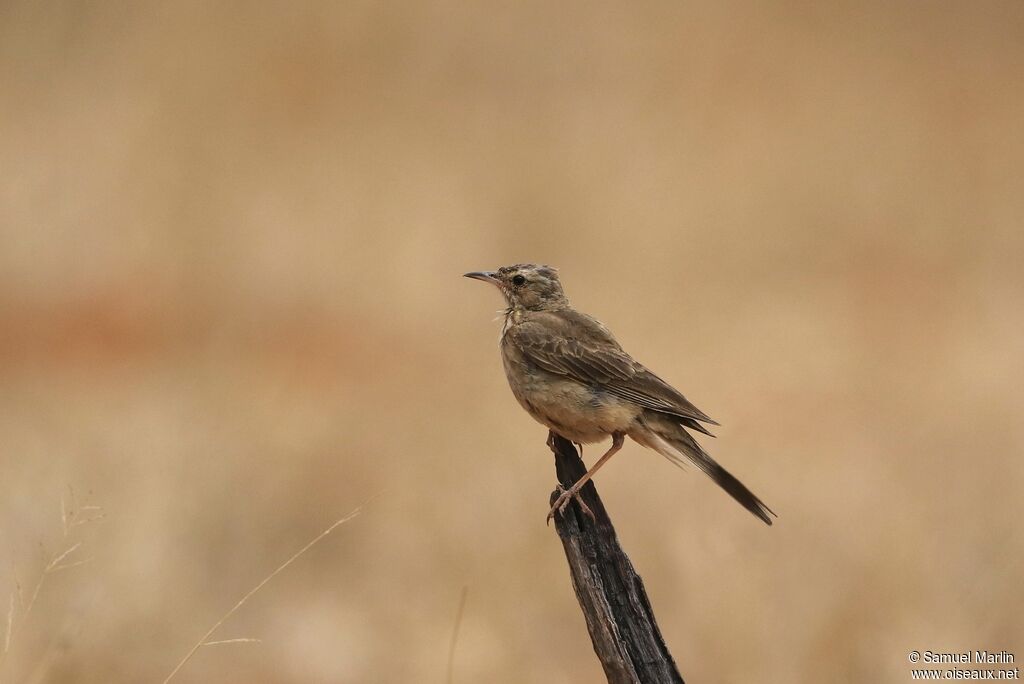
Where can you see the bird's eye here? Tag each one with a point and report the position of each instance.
(518, 280)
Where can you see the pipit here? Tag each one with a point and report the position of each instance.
(566, 369)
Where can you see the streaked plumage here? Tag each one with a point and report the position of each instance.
(568, 371)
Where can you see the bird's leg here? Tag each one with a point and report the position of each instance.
(618, 438)
(561, 489)
(551, 443)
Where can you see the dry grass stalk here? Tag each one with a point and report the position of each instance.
(71, 519)
(204, 640)
(455, 635)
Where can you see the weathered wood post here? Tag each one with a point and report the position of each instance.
(612, 596)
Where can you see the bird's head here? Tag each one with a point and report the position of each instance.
(526, 286)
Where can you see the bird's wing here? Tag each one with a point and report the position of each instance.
(548, 341)
(650, 391)
(577, 346)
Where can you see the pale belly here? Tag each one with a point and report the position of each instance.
(578, 412)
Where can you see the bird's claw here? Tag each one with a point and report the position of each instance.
(562, 502)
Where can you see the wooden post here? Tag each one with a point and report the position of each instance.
(612, 596)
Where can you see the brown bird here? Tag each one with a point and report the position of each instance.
(566, 369)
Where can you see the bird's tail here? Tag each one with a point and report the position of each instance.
(666, 436)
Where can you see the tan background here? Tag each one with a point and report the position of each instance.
(231, 309)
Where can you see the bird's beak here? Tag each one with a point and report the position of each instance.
(486, 276)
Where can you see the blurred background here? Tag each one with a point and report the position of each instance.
(231, 310)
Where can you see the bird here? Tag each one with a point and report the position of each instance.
(567, 371)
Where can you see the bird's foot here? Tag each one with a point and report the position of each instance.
(563, 500)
